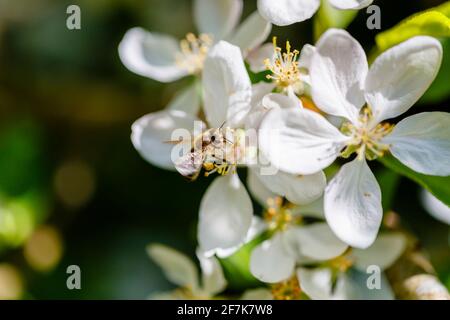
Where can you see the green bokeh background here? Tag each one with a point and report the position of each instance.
(65, 96)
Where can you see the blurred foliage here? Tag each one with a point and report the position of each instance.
(433, 22)
(438, 186)
(65, 99)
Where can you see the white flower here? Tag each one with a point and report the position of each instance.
(163, 58)
(435, 207)
(289, 68)
(275, 259)
(300, 141)
(286, 12)
(181, 271)
(346, 276)
(226, 210)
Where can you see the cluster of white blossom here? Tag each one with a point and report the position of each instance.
(316, 104)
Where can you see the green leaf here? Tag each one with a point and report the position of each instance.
(237, 267)
(388, 181)
(434, 22)
(330, 17)
(438, 186)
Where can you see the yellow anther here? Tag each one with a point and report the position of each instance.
(366, 140)
(287, 290)
(193, 51)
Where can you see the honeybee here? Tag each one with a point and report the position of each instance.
(209, 151)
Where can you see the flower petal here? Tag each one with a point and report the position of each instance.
(352, 204)
(225, 214)
(257, 56)
(151, 55)
(270, 262)
(422, 142)
(315, 241)
(188, 100)
(310, 210)
(435, 207)
(350, 4)
(227, 87)
(286, 12)
(257, 188)
(251, 33)
(151, 132)
(177, 267)
(299, 141)
(416, 63)
(338, 70)
(386, 249)
(257, 294)
(306, 56)
(257, 227)
(213, 279)
(218, 17)
(356, 287)
(298, 189)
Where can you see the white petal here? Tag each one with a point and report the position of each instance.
(213, 279)
(435, 207)
(311, 210)
(187, 100)
(299, 141)
(350, 4)
(286, 12)
(416, 63)
(338, 70)
(151, 132)
(256, 58)
(257, 188)
(270, 262)
(318, 284)
(257, 227)
(151, 55)
(259, 91)
(225, 214)
(356, 287)
(251, 33)
(281, 101)
(306, 56)
(422, 142)
(177, 267)
(257, 294)
(218, 17)
(386, 249)
(298, 189)
(315, 241)
(227, 87)
(352, 204)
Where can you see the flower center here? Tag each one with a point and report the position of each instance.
(284, 67)
(366, 139)
(278, 215)
(193, 51)
(287, 290)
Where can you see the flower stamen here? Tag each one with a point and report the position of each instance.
(193, 52)
(366, 140)
(284, 68)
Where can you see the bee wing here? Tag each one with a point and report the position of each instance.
(190, 165)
